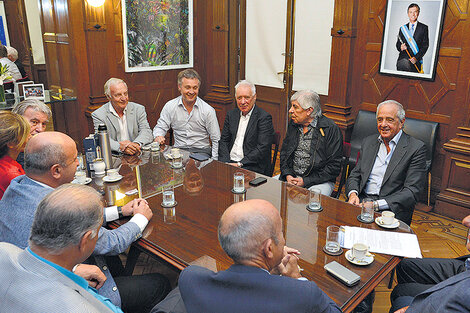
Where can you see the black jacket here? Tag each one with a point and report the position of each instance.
(256, 144)
(325, 152)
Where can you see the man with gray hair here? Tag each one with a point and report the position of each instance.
(37, 113)
(313, 147)
(194, 122)
(12, 55)
(12, 69)
(248, 132)
(265, 276)
(391, 168)
(127, 123)
(42, 278)
(51, 161)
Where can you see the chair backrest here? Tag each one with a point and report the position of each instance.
(366, 125)
(276, 141)
(344, 169)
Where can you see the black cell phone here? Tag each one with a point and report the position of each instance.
(198, 156)
(258, 181)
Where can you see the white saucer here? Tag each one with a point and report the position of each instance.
(100, 173)
(87, 181)
(395, 224)
(365, 261)
(111, 180)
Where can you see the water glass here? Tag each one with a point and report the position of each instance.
(239, 182)
(332, 239)
(314, 199)
(169, 215)
(168, 196)
(238, 197)
(367, 211)
(177, 159)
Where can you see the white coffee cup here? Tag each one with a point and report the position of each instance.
(175, 153)
(388, 217)
(359, 251)
(80, 177)
(113, 172)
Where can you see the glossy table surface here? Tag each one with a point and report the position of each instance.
(187, 233)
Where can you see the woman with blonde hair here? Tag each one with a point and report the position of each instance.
(14, 133)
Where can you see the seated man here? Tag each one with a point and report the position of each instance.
(391, 168)
(126, 121)
(43, 277)
(265, 276)
(51, 161)
(12, 55)
(12, 69)
(37, 114)
(248, 133)
(442, 284)
(313, 147)
(193, 121)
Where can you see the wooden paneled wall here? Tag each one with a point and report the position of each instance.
(355, 84)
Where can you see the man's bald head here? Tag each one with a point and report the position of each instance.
(245, 226)
(47, 149)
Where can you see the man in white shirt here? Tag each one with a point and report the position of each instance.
(126, 122)
(248, 132)
(194, 122)
(12, 68)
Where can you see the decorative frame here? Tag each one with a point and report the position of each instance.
(33, 91)
(431, 14)
(157, 34)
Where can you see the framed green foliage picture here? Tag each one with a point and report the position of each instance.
(157, 34)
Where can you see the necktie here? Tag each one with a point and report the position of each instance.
(412, 29)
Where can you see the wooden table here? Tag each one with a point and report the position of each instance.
(202, 195)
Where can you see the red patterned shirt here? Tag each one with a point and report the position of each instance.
(9, 169)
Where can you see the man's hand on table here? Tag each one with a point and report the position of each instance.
(160, 140)
(128, 209)
(288, 266)
(354, 199)
(92, 273)
(143, 208)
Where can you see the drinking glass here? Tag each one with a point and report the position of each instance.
(332, 239)
(367, 211)
(168, 196)
(169, 215)
(239, 182)
(314, 199)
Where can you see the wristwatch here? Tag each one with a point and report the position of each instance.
(119, 208)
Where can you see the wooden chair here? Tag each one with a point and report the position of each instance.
(276, 141)
(344, 169)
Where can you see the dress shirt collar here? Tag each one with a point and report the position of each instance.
(75, 278)
(113, 111)
(394, 139)
(180, 102)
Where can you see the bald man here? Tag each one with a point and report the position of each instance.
(51, 161)
(265, 276)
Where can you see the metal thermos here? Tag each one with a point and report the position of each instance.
(105, 146)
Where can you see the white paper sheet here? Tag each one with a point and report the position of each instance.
(386, 242)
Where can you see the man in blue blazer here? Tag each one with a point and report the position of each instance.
(391, 168)
(265, 276)
(248, 132)
(126, 122)
(51, 161)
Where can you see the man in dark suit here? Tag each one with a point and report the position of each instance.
(265, 276)
(413, 37)
(248, 133)
(433, 284)
(391, 168)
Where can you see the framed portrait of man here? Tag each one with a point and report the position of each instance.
(412, 33)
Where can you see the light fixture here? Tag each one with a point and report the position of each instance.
(95, 3)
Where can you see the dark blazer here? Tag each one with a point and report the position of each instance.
(249, 289)
(451, 295)
(404, 178)
(326, 152)
(256, 144)
(422, 40)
